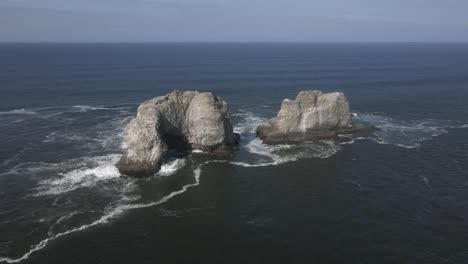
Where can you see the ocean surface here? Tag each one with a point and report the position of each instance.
(395, 196)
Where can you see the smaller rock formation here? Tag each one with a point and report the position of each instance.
(312, 116)
(183, 120)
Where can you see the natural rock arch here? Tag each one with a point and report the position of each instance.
(180, 120)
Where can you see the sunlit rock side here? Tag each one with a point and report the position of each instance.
(312, 115)
(186, 120)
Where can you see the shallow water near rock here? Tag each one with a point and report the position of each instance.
(399, 195)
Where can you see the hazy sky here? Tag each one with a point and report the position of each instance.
(233, 20)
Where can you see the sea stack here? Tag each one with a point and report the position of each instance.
(183, 120)
(313, 115)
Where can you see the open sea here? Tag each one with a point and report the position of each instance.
(395, 196)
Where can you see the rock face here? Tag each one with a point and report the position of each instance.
(183, 120)
(313, 115)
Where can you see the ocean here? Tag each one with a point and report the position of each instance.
(399, 195)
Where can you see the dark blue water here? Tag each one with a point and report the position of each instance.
(395, 196)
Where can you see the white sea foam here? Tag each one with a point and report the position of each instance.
(32, 168)
(85, 108)
(105, 218)
(18, 112)
(107, 135)
(171, 167)
(249, 123)
(111, 133)
(245, 164)
(251, 144)
(62, 219)
(405, 134)
(53, 111)
(103, 168)
(88, 107)
(384, 142)
(64, 136)
(82, 177)
(103, 171)
(278, 154)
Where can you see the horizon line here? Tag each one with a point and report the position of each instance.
(236, 42)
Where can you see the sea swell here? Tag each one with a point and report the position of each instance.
(54, 180)
(106, 218)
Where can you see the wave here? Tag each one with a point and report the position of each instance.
(86, 177)
(405, 134)
(33, 168)
(86, 108)
(55, 111)
(106, 218)
(253, 153)
(94, 169)
(105, 170)
(82, 177)
(171, 167)
(21, 111)
(106, 135)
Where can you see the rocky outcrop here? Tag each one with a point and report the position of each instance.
(185, 120)
(312, 116)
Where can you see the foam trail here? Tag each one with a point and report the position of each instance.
(18, 112)
(383, 142)
(85, 108)
(405, 133)
(247, 165)
(105, 219)
(171, 167)
(60, 220)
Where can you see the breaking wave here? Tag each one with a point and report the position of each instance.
(171, 167)
(83, 177)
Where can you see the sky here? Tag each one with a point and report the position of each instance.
(233, 20)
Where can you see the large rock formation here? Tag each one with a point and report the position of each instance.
(180, 120)
(313, 115)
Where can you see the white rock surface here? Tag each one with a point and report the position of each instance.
(312, 115)
(186, 120)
